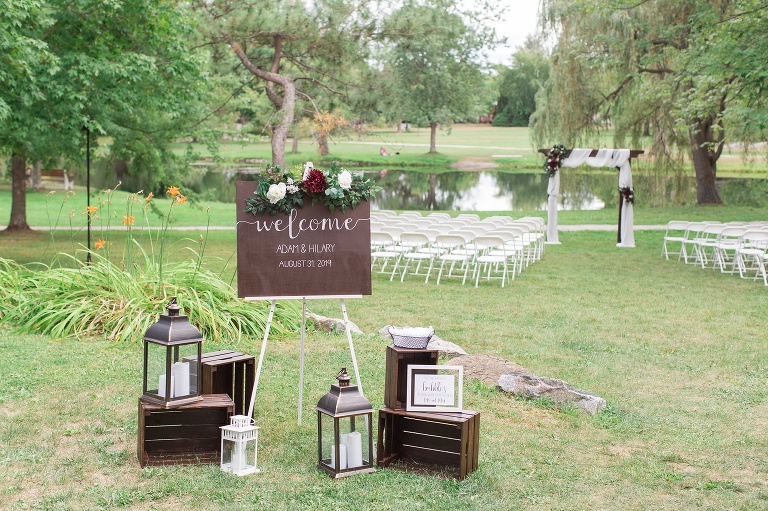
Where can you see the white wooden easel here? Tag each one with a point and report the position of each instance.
(301, 345)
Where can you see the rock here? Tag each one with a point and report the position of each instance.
(532, 386)
(444, 347)
(332, 325)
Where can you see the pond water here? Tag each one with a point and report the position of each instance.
(501, 191)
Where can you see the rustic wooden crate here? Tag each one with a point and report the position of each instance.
(396, 376)
(188, 434)
(231, 373)
(442, 440)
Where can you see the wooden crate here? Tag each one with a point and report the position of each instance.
(231, 373)
(189, 434)
(442, 440)
(395, 379)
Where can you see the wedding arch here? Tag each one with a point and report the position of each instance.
(558, 157)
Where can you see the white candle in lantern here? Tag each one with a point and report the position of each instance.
(354, 450)
(342, 456)
(161, 386)
(180, 372)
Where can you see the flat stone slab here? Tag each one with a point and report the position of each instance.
(560, 392)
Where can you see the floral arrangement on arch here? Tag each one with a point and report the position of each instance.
(628, 194)
(555, 157)
(282, 191)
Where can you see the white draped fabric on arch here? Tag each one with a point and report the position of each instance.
(604, 158)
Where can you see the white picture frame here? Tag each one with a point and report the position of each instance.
(434, 388)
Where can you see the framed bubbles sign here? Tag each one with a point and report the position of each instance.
(433, 388)
(306, 252)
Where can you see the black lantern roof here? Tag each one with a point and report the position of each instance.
(173, 328)
(343, 399)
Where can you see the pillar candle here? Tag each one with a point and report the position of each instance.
(161, 386)
(180, 372)
(342, 456)
(354, 450)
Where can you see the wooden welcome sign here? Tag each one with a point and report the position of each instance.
(310, 252)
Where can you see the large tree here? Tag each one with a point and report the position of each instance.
(292, 47)
(520, 83)
(117, 67)
(435, 58)
(644, 68)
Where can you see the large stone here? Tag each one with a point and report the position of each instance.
(486, 368)
(332, 325)
(560, 392)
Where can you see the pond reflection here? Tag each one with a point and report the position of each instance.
(502, 191)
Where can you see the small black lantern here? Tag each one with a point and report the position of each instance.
(344, 435)
(172, 352)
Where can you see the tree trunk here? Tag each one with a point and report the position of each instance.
(432, 137)
(18, 221)
(706, 146)
(35, 178)
(281, 129)
(322, 145)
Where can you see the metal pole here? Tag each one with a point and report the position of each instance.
(88, 185)
(261, 358)
(301, 354)
(351, 346)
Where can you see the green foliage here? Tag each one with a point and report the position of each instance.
(520, 83)
(434, 62)
(119, 298)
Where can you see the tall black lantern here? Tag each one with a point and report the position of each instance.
(172, 350)
(344, 435)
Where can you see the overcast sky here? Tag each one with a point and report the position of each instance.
(516, 24)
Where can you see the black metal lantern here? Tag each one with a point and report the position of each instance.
(344, 435)
(172, 351)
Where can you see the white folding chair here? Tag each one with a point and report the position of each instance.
(675, 233)
(727, 243)
(490, 259)
(382, 250)
(750, 255)
(416, 241)
(451, 247)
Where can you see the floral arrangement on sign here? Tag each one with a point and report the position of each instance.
(282, 191)
(555, 157)
(628, 194)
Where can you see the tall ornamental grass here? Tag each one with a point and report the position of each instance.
(119, 296)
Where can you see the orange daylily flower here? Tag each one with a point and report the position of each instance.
(91, 210)
(149, 197)
(181, 199)
(100, 244)
(173, 191)
(128, 220)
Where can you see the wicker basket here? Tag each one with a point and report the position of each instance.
(413, 338)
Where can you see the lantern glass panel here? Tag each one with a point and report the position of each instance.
(183, 370)
(354, 442)
(238, 456)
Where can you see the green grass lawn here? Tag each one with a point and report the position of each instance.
(676, 351)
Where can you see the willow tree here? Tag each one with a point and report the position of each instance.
(641, 68)
(285, 45)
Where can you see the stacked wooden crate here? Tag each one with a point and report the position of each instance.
(442, 440)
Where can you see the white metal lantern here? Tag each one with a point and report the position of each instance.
(240, 446)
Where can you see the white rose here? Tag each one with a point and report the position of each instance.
(276, 193)
(307, 167)
(345, 179)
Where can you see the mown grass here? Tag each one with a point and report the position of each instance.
(676, 351)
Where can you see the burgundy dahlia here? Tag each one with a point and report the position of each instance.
(315, 182)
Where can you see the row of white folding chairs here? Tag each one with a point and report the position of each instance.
(502, 252)
(732, 247)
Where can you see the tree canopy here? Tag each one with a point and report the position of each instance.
(121, 68)
(520, 83)
(660, 68)
(435, 62)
